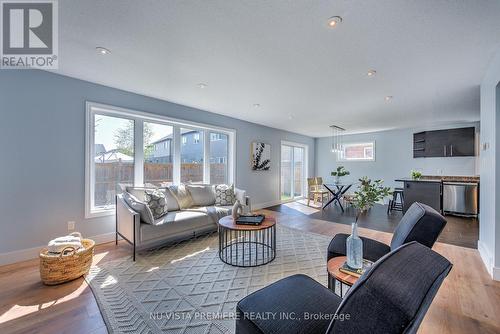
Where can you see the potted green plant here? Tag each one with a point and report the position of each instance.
(341, 171)
(369, 192)
(416, 175)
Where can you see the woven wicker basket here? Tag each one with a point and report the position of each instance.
(57, 269)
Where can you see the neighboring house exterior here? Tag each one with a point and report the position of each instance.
(161, 151)
(191, 148)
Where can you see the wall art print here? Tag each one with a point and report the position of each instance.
(261, 156)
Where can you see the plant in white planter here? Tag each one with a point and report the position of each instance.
(341, 171)
(369, 192)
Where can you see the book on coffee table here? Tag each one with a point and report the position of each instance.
(250, 220)
(356, 272)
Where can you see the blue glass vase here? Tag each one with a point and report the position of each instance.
(354, 246)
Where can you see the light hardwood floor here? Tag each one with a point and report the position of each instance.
(468, 301)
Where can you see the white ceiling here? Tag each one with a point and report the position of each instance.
(429, 54)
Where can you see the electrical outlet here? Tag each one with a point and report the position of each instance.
(71, 226)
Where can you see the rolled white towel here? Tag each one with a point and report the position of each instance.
(59, 244)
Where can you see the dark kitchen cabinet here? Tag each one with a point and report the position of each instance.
(436, 144)
(444, 143)
(424, 192)
(461, 142)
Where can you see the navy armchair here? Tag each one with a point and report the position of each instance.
(392, 297)
(420, 223)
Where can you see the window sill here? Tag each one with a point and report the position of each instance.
(100, 213)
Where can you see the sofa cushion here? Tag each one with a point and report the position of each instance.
(202, 194)
(156, 201)
(182, 195)
(174, 222)
(393, 296)
(139, 207)
(172, 204)
(137, 192)
(420, 223)
(224, 195)
(214, 212)
(299, 304)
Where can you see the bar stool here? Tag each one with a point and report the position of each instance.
(394, 204)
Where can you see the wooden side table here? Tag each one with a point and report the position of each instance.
(338, 281)
(247, 245)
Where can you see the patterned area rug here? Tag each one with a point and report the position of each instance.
(185, 288)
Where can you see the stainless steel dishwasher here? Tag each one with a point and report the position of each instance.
(461, 198)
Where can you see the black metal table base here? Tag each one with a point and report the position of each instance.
(247, 248)
(338, 287)
(337, 195)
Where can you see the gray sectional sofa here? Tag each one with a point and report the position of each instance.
(181, 222)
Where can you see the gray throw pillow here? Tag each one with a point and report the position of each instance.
(140, 207)
(157, 202)
(224, 194)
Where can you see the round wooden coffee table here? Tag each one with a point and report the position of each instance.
(247, 245)
(338, 281)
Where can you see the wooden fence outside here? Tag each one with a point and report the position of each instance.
(109, 175)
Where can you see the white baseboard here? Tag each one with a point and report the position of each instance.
(488, 261)
(19, 255)
(265, 205)
(32, 253)
(104, 238)
(496, 273)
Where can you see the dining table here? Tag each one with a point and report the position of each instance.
(337, 190)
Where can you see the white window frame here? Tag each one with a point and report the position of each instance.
(341, 155)
(184, 139)
(139, 117)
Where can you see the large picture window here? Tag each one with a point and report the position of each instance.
(126, 147)
(219, 146)
(113, 158)
(158, 154)
(192, 156)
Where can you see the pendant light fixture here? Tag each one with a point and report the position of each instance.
(337, 136)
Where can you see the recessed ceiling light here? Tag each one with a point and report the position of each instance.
(256, 105)
(334, 21)
(102, 51)
(371, 73)
(388, 98)
(202, 85)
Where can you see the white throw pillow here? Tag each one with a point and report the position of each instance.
(202, 194)
(224, 194)
(182, 195)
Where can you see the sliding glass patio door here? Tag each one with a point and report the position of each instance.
(292, 171)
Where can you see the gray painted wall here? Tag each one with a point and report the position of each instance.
(44, 189)
(393, 157)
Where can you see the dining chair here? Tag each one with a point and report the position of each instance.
(316, 190)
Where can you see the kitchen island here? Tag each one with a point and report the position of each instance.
(443, 193)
